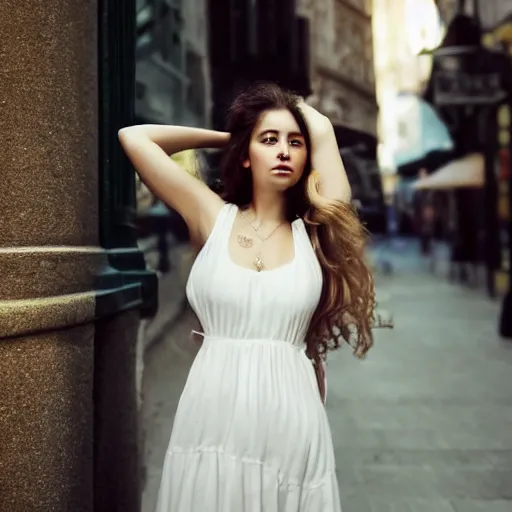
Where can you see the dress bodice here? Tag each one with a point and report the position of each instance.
(237, 302)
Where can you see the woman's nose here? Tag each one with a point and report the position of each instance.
(284, 153)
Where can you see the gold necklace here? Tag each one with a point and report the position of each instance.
(247, 242)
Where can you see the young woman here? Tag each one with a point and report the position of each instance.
(280, 278)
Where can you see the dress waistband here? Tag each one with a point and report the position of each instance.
(201, 336)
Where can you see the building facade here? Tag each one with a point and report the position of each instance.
(399, 68)
(343, 88)
(491, 12)
(255, 40)
(74, 285)
(172, 71)
(341, 61)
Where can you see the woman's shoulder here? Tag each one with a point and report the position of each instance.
(225, 211)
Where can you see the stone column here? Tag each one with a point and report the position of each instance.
(49, 254)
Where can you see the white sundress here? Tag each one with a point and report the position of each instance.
(251, 433)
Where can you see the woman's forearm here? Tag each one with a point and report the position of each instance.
(173, 139)
(325, 157)
(327, 161)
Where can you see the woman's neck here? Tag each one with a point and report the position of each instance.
(268, 208)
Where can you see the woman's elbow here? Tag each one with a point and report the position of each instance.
(125, 132)
(130, 134)
(338, 192)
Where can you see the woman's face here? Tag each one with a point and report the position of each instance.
(277, 151)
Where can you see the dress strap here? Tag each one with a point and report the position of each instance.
(221, 222)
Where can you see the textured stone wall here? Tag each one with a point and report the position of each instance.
(342, 61)
(49, 227)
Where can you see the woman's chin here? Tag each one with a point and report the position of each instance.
(278, 183)
(282, 185)
(283, 179)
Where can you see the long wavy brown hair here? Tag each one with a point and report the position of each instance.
(345, 309)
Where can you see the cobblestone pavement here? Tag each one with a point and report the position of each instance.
(423, 425)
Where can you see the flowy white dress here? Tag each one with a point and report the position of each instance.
(251, 433)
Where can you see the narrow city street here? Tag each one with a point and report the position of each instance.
(423, 425)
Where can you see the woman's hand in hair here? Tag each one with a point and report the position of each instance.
(318, 124)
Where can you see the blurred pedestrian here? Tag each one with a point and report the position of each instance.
(427, 225)
(280, 278)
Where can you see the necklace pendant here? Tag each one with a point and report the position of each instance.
(244, 241)
(258, 263)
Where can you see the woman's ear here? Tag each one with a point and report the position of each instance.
(246, 163)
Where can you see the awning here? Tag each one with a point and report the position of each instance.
(422, 133)
(468, 172)
(431, 161)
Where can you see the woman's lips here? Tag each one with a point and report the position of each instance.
(282, 169)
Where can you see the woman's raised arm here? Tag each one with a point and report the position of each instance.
(325, 157)
(149, 147)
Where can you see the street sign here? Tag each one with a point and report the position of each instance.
(458, 88)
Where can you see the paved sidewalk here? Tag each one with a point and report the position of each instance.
(166, 368)
(171, 290)
(423, 425)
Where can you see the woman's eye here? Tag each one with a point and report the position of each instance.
(296, 142)
(270, 140)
